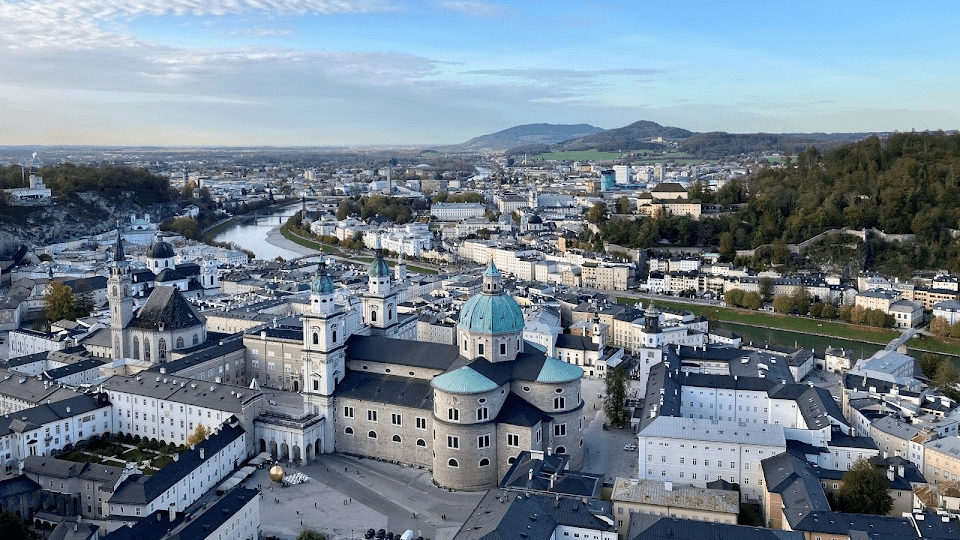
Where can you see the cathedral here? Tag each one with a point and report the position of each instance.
(465, 411)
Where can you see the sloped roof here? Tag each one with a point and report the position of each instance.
(167, 306)
(408, 353)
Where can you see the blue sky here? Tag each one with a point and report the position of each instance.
(332, 72)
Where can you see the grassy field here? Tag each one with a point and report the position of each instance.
(307, 243)
(579, 155)
(806, 325)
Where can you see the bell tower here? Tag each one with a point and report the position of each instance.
(380, 300)
(324, 352)
(120, 299)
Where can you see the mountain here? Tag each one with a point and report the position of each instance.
(631, 137)
(719, 144)
(528, 134)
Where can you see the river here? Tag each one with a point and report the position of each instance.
(253, 236)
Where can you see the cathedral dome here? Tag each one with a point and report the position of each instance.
(322, 284)
(161, 250)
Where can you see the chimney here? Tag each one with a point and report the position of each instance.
(201, 453)
(530, 475)
(553, 480)
(173, 512)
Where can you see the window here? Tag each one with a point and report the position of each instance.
(480, 349)
(559, 403)
(371, 415)
(421, 442)
(180, 342)
(513, 439)
(453, 442)
(373, 315)
(136, 348)
(453, 414)
(396, 419)
(396, 438)
(503, 348)
(372, 434)
(484, 462)
(348, 412)
(196, 338)
(316, 384)
(452, 463)
(348, 430)
(483, 413)
(483, 441)
(316, 338)
(334, 336)
(560, 430)
(421, 423)
(146, 349)
(162, 349)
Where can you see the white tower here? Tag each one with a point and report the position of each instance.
(400, 271)
(121, 301)
(380, 300)
(324, 353)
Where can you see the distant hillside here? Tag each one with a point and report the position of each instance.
(632, 137)
(719, 144)
(528, 134)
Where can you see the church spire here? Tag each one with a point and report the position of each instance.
(118, 255)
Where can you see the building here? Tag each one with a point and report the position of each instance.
(509, 515)
(941, 461)
(695, 451)
(877, 299)
(456, 211)
(650, 527)
(40, 430)
(76, 488)
(672, 499)
(948, 310)
(906, 314)
(614, 277)
(35, 193)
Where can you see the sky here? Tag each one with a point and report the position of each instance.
(347, 72)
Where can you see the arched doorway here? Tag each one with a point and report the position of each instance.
(308, 450)
(284, 452)
(296, 386)
(263, 445)
(273, 449)
(317, 447)
(296, 452)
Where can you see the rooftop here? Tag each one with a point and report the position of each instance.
(655, 492)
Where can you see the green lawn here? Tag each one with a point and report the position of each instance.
(307, 243)
(579, 155)
(821, 327)
(783, 322)
(421, 269)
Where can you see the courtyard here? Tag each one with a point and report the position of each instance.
(148, 456)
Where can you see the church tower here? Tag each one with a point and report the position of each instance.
(380, 300)
(121, 301)
(324, 352)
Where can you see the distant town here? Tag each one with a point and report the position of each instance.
(409, 344)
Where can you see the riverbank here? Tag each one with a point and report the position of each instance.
(809, 326)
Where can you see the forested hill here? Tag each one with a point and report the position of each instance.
(719, 144)
(631, 137)
(109, 180)
(905, 183)
(528, 134)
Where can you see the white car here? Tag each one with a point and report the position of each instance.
(629, 447)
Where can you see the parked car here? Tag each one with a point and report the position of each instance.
(630, 447)
(369, 534)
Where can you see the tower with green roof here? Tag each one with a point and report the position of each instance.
(324, 353)
(380, 301)
(491, 322)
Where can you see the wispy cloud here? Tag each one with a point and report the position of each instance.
(261, 33)
(559, 75)
(474, 9)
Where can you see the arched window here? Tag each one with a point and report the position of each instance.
(372, 434)
(484, 462)
(421, 442)
(316, 338)
(396, 438)
(561, 450)
(115, 290)
(196, 339)
(316, 384)
(180, 342)
(146, 349)
(390, 313)
(348, 430)
(373, 315)
(511, 460)
(453, 463)
(136, 348)
(334, 336)
(162, 349)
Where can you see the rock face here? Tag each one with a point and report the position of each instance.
(71, 217)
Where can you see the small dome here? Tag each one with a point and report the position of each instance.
(465, 380)
(535, 219)
(322, 284)
(379, 268)
(556, 371)
(491, 314)
(161, 250)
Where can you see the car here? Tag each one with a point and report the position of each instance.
(629, 447)
(380, 534)
(369, 534)
(389, 536)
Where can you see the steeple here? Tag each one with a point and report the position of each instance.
(118, 255)
(492, 279)
(321, 291)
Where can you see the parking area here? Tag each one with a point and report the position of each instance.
(604, 448)
(346, 496)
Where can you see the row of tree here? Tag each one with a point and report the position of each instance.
(395, 209)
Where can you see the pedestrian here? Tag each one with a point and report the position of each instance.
(351, 500)
(314, 504)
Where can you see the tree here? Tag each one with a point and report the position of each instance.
(623, 205)
(766, 288)
(939, 326)
(829, 311)
(60, 302)
(198, 436)
(310, 534)
(727, 247)
(733, 297)
(12, 526)
(597, 213)
(752, 300)
(783, 304)
(816, 309)
(864, 490)
(615, 404)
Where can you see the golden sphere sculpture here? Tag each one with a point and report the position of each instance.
(277, 473)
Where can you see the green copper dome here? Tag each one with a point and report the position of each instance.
(465, 380)
(491, 314)
(379, 268)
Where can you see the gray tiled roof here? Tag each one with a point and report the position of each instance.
(390, 389)
(166, 305)
(219, 396)
(507, 515)
(45, 413)
(412, 353)
(650, 527)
